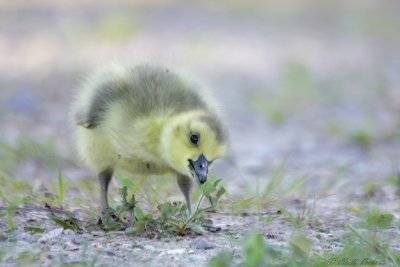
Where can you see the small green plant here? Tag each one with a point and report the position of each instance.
(69, 222)
(174, 217)
(64, 218)
(33, 229)
(213, 192)
(183, 221)
(223, 259)
(43, 152)
(362, 138)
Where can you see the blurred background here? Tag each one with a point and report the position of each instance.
(311, 85)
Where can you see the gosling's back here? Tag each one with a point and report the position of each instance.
(141, 90)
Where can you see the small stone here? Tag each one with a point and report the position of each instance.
(97, 245)
(127, 246)
(73, 262)
(87, 236)
(270, 236)
(97, 233)
(137, 250)
(149, 247)
(68, 246)
(51, 235)
(56, 249)
(212, 229)
(26, 237)
(3, 237)
(202, 244)
(36, 237)
(77, 241)
(68, 232)
(176, 251)
(109, 252)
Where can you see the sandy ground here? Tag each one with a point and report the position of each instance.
(317, 85)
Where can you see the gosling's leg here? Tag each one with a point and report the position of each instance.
(185, 184)
(104, 180)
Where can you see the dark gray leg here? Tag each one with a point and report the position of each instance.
(185, 184)
(104, 180)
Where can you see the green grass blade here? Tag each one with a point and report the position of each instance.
(275, 179)
(293, 186)
(60, 187)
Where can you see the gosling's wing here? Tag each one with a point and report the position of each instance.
(95, 94)
(81, 119)
(88, 112)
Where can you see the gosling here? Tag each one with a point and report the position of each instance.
(147, 120)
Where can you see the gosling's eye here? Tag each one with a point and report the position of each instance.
(194, 139)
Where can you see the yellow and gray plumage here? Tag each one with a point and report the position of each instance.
(147, 120)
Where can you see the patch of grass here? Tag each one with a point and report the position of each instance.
(258, 252)
(363, 245)
(12, 209)
(43, 153)
(299, 78)
(12, 187)
(362, 138)
(15, 255)
(13, 193)
(174, 217)
(366, 241)
(333, 128)
(269, 195)
(303, 217)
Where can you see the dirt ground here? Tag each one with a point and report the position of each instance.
(313, 87)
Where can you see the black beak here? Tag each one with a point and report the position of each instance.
(200, 168)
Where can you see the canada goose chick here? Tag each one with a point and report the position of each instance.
(147, 120)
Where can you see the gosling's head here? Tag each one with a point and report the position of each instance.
(191, 142)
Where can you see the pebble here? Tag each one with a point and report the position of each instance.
(137, 250)
(176, 251)
(109, 252)
(26, 237)
(56, 249)
(87, 236)
(77, 240)
(36, 237)
(68, 232)
(51, 235)
(68, 246)
(127, 246)
(202, 244)
(3, 237)
(149, 247)
(98, 233)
